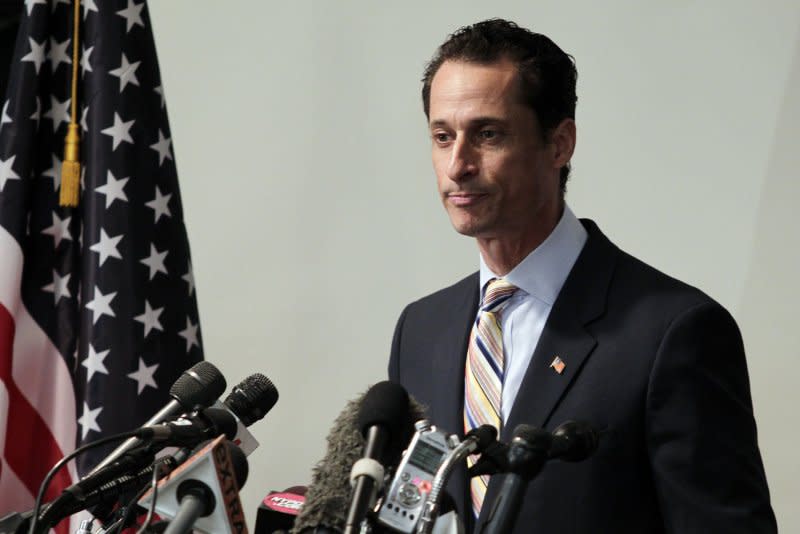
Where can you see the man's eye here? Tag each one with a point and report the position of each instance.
(441, 137)
(488, 134)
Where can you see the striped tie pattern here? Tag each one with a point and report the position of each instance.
(483, 380)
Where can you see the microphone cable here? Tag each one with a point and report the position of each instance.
(61, 463)
(152, 508)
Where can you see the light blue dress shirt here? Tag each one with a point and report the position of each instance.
(539, 278)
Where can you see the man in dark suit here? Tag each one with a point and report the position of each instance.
(585, 331)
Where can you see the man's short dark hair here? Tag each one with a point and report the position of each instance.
(547, 74)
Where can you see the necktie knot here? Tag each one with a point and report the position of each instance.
(497, 294)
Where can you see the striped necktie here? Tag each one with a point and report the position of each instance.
(483, 379)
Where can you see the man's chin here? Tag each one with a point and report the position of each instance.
(470, 228)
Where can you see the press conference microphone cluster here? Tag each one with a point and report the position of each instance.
(130, 467)
(529, 450)
(198, 387)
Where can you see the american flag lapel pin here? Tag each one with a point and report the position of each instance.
(558, 365)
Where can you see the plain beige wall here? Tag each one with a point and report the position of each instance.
(311, 206)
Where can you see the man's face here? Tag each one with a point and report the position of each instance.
(496, 176)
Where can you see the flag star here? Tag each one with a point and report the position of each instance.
(59, 288)
(150, 318)
(36, 55)
(6, 119)
(58, 112)
(101, 305)
(54, 172)
(144, 376)
(59, 230)
(86, 57)
(94, 362)
(88, 420)
(190, 335)
(113, 190)
(107, 247)
(126, 73)
(160, 205)
(119, 131)
(132, 15)
(162, 146)
(155, 261)
(38, 113)
(160, 92)
(58, 53)
(189, 277)
(84, 124)
(30, 4)
(88, 5)
(7, 171)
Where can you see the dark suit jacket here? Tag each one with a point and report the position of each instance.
(655, 364)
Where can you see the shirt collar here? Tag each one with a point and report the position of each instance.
(543, 272)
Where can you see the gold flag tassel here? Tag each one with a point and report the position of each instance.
(71, 167)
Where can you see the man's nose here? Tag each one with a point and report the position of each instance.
(463, 161)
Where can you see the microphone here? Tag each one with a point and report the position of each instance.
(249, 401)
(327, 499)
(493, 460)
(279, 510)
(189, 430)
(252, 398)
(381, 417)
(527, 453)
(198, 386)
(573, 441)
(203, 493)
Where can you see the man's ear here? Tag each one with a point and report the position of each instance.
(562, 139)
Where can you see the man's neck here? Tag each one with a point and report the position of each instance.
(502, 253)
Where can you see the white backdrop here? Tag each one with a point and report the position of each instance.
(311, 206)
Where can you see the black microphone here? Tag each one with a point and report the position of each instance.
(527, 453)
(381, 418)
(198, 386)
(493, 460)
(328, 496)
(252, 398)
(189, 430)
(573, 441)
(250, 401)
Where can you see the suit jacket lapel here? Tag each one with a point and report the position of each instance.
(581, 300)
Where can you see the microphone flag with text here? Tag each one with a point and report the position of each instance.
(203, 493)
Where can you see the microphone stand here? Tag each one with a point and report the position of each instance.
(526, 457)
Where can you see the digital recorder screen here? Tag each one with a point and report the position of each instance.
(426, 457)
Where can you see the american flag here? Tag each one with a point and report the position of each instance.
(98, 315)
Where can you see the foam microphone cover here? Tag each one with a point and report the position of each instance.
(328, 496)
